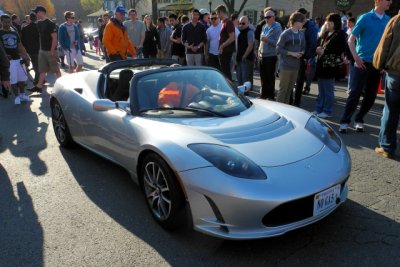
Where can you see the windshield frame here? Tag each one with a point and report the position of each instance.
(138, 76)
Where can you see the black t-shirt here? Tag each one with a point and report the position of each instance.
(30, 38)
(194, 35)
(46, 28)
(10, 41)
(177, 49)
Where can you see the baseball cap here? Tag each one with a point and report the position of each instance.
(204, 11)
(38, 9)
(120, 9)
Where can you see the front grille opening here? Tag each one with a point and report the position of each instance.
(293, 211)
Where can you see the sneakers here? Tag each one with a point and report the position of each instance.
(323, 115)
(24, 97)
(383, 153)
(343, 128)
(35, 89)
(17, 100)
(359, 126)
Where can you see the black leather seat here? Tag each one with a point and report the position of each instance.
(122, 92)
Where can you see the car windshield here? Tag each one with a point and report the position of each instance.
(188, 92)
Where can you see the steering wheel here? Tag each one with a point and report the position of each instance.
(200, 94)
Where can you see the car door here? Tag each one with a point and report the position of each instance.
(112, 133)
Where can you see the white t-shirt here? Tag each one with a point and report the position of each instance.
(213, 38)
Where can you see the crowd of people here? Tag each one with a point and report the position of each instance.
(296, 52)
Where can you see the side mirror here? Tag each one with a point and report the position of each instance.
(242, 89)
(106, 104)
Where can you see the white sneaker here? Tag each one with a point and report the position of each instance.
(323, 115)
(24, 97)
(17, 100)
(359, 126)
(343, 128)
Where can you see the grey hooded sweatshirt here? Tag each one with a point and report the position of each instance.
(290, 41)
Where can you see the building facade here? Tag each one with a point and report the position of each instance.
(252, 8)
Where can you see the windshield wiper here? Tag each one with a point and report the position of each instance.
(196, 110)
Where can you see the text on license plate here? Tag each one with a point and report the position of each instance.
(326, 199)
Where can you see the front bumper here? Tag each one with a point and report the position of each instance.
(234, 208)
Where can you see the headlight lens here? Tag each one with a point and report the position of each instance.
(229, 161)
(324, 133)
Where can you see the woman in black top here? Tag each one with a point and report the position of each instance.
(151, 40)
(330, 48)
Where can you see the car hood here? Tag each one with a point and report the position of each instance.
(262, 134)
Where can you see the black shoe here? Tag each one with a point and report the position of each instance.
(35, 89)
(5, 92)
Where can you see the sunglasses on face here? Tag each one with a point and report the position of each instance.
(71, 17)
(268, 17)
(242, 23)
(214, 18)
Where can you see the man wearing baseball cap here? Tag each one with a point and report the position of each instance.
(48, 58)
(116, 39)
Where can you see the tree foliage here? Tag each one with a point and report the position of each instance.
(90, 6)
(24, 7)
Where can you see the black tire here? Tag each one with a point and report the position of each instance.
(162, 193)
(60, 126)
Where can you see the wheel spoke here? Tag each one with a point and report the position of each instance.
(155, 200)
(163, 210)
(149, 182)
(166, 199)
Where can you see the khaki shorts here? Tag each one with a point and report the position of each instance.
(48, 62)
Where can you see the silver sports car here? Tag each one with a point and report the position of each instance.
(202, 152)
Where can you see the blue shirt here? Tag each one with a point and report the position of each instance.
(368, 30)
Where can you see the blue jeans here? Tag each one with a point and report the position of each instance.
(390, 116)
(243, 69)
(351, 73)
(326, 96)
(367, 79)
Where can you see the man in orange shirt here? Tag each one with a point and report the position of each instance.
(115, 38)
(175, 95)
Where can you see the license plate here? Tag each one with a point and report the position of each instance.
(326, 199)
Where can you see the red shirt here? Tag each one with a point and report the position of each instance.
(227, 28)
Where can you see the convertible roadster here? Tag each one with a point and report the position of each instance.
(204, 154)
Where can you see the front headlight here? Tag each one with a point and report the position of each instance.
(229, 161)
(323, 132)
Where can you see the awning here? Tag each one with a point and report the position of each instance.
(177, 7)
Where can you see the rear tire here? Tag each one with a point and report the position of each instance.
(162, 192)
(60, 126)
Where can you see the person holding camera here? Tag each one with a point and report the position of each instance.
(14, 49)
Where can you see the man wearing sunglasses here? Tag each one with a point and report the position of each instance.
(245, 52)
(267, 54)
(69, 39)
(211, 52)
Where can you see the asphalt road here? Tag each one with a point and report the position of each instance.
(71, 208)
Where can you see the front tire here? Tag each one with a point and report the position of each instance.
(162, 192)
(60, 126)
